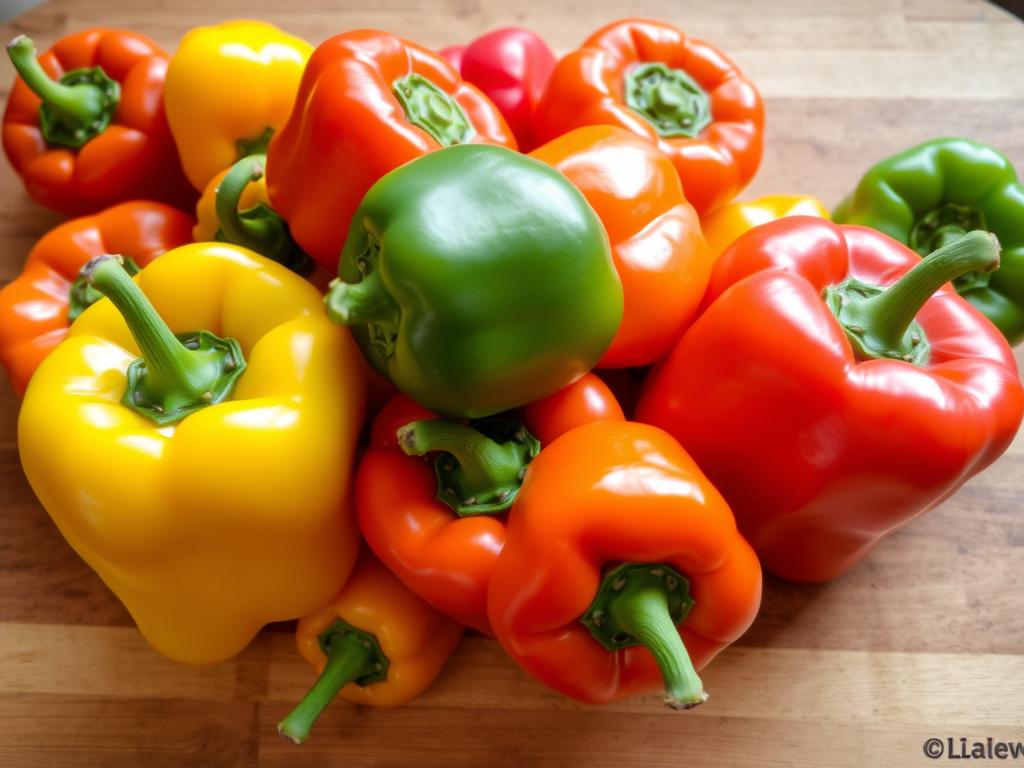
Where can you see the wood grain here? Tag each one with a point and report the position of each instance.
(925, 639)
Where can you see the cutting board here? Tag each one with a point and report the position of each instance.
(923, 640)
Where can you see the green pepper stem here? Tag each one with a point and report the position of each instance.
(432, 110)
(259, 228)
(348, 659)
(644, 614)
(483, 463)
(886, 317)
(171, 379)
(78, 106)
(167, 360)
(364, 302)
(82, 295)
(255, 235)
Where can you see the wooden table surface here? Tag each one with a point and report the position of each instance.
(924, 640)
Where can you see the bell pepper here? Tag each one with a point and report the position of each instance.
(655, 236)
(206, 480)
(680, 93)
(229, 87)
(375, 643)
(440, 525)
(723, 227)
(835, 388)
(37, 307)
(512, 67)
(234, 208)
(85, 126)
(368, 103)
(477, 279)
(622, 568)
(929, 195)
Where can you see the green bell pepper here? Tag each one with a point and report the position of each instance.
(477, 279)
(932, 194)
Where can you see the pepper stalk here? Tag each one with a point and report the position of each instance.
(176, 375)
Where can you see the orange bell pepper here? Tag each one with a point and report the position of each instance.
(444, 547)
(678, 92)
(622, 566)
(653, 231)
(723, 227)
(376, 643)
(37, 307)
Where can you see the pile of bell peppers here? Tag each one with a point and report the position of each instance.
(394, 342)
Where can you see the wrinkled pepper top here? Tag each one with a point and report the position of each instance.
(678, 92)
(930, 194)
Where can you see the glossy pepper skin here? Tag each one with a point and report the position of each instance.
(723, 227)
(444, 557)
(655, 235)
(126, 154)
(35, 307)
(213, 523)
(512, 67)
(680, 93)
(930, 194)
(229, 86)
(368, 103)
(478, 279)
(598, 498)
(399, 646)
(820, 445)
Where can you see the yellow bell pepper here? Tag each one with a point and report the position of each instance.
(228, 88)
(376, 643)
(725, 225)
(207, 480)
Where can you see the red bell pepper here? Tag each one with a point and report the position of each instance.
(368, 102)
(512, 67)
(85, 124)
(622, 567)
(443, 547)
(835, 387)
